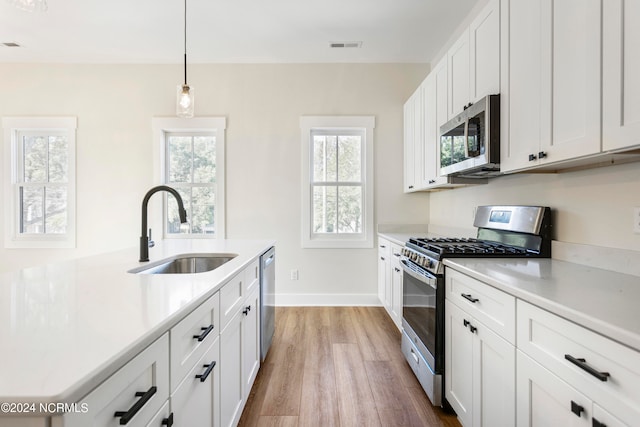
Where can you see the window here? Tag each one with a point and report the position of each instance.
(40, 182)
(191, 159)
(338, 182)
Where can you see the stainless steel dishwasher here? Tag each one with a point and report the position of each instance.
(267, 299)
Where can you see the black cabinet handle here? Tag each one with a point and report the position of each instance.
(168, 421)
(542, 155)
(246, 310)
(205, 374)
(125, 417)
(473, 329)
(396, 269)
(466, 323)
(576, 409)
(410, 187)
(468, 297)
(382, 258)
(205, 332)
(382, 246)
(582, 364)
(596, 423)
(532, 157)
(396, 255)
(432, 181)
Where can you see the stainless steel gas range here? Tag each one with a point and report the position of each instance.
(503, 231)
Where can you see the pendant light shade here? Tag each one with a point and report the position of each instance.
(30, 5)
(185, 98)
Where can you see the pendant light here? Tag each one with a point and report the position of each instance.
(30, 5)
(185, 94)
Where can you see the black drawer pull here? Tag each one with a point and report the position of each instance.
(205, 374)
(576, 409)
(596, 423)
(205, 332)
(168, 421)
(125, 417)
(582, 364)
(246, 310)
(465, 322)
(473, 329)
(468, 297)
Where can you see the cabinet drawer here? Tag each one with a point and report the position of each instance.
(395, 253)
(251, 277)
(192, 337)
(146, 373)
(231, 298)
(491, 306)
(384, 248)
(614, 380)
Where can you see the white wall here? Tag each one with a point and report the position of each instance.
(592, 207)
(115, 103)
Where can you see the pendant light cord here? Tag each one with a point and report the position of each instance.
(185, 42)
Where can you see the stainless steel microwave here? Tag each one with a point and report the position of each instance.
(470, 142)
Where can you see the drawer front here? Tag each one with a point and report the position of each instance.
(146, 371)
(251, 277)
(231, 298)
(491, 306)
(192, 337)
(384, 248)
(614, 381)
(396, 252)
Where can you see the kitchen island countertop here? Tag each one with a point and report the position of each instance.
(66, 327)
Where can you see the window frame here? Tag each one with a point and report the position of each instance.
(163, 127)
(13, 128)
(310, 125)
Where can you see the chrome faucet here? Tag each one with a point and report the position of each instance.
(145, 241)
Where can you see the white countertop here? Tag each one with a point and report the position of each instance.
(66, 327)
(601, 300)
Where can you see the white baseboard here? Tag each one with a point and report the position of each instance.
(327, 300)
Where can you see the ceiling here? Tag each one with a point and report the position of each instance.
(229, 31)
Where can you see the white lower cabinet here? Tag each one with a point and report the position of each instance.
(196, 403)
(545, 400)
(390, 279)
(479, 371)
(133, 395)
(231, 399)
(250, 341)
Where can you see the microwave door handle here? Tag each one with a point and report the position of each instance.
(466, 138)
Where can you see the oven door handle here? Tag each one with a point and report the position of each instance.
(427, 280)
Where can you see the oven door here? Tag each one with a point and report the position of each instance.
(420, 310)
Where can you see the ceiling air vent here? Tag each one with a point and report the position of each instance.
(10, 44)
(340, 45)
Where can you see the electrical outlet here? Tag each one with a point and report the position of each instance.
(294, 274)
(636, 220)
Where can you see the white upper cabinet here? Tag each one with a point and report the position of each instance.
(550, 82)
(484, 53)
(413, 120)
(458, 67)
(435, 114)
(621, 68)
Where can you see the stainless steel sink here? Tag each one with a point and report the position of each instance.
(186, 264)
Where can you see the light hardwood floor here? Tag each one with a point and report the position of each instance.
(338, 366)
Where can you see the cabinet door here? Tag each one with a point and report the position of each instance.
(435, 115)
(231, 397)
(195, 403)
(250, 341)
(621, 68)
(396, 286)
(484, 52)
(459, 362)
(570, 79)
(545, 400)
(409, 144)
(458, 67)
(521, 83)
(383, 279)
(494, 379)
